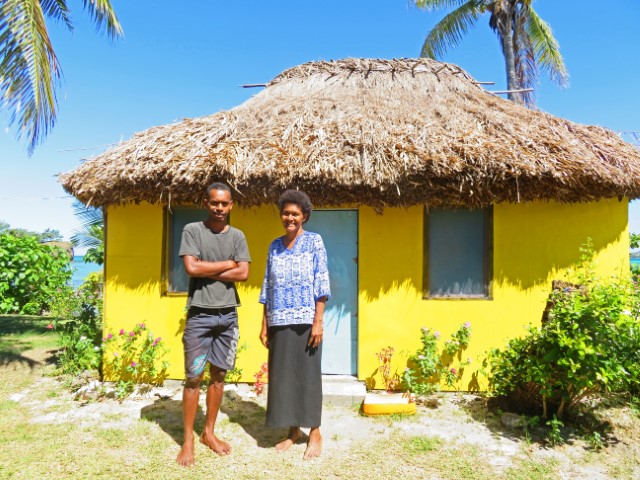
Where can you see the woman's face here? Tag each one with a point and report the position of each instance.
(292, 217)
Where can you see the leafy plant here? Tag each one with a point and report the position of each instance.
(595, 441)
(134, 357)
(77, 318)
(235, 374)
(429, 366)
(391, 380)
(554, 437)
(587, 346)
(29, 273)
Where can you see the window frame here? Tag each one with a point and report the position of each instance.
(487, 258)
(168, 245)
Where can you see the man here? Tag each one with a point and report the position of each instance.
(215, 255)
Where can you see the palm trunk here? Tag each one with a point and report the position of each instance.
(506, 30)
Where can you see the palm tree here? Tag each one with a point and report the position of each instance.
(527, 41)
(91, 232)
(29, 68)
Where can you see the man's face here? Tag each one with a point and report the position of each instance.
(219, 204)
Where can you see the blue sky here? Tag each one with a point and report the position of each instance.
(187, 59)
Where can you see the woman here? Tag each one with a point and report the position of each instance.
(294, 292)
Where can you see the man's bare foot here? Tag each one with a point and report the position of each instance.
(214, 443)
(185, 457)
(294, 435)
(314, 445)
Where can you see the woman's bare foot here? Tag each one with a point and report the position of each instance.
(185, 457)
(314, 445)
(294, 435)
(214, 443)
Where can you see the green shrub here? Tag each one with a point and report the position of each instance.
(430, 366)
(78, 322)
(588, 346)
(30, 274)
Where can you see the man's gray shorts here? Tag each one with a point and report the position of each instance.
(210, 335)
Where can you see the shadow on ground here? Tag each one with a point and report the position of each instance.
(20, 334)
(251, 417)
(168, 415)
(247, 414)
(531, 431)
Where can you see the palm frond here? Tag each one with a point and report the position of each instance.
(448, 32)
(57, 10)
(104, 16)
(545, 48)
(91, 231)
(435, 4)
(28, 68)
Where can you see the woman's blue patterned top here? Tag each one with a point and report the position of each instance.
(294, 280)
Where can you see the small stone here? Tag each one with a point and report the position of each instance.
(163, 393)
(16, 397)
(432, 401)
(511, 420)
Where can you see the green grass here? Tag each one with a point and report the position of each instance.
(528, 468)
(423, 444)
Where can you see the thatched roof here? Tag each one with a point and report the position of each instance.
(367, 132)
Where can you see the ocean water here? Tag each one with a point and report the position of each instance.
(81, 270)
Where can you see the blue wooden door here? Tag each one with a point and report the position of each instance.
(339, 231)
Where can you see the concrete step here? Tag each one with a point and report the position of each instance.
(342, 390)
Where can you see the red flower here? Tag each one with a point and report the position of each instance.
(50, 326)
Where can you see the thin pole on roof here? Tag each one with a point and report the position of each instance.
(520, 90)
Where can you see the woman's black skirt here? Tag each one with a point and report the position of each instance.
(295, 380)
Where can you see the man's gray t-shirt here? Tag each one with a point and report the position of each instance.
(202, 243)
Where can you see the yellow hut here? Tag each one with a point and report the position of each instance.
(439, 202)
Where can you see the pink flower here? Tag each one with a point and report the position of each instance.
(425, 329)
(436, 334)
(141, 325)
(157, 341)
(122, 331)
(50, 326)
(131, 334)
(110, 336)
(453, 370)
(467, 325)
(116, 354)
(134, 364)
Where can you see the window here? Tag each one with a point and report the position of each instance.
(458, 253)
(177, 218)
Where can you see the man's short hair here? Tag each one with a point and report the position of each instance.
(218, 186)
(299, 198)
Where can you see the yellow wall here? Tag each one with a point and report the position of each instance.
(533, 244)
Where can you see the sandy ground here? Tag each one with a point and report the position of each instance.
(461, 423)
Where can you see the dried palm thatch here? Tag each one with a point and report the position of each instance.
(367, 132)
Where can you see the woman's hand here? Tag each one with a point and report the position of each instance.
(264, 332)
(316, 327)
(264, 337)
(316, 334)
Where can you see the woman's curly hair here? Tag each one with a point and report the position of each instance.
(299, 198)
